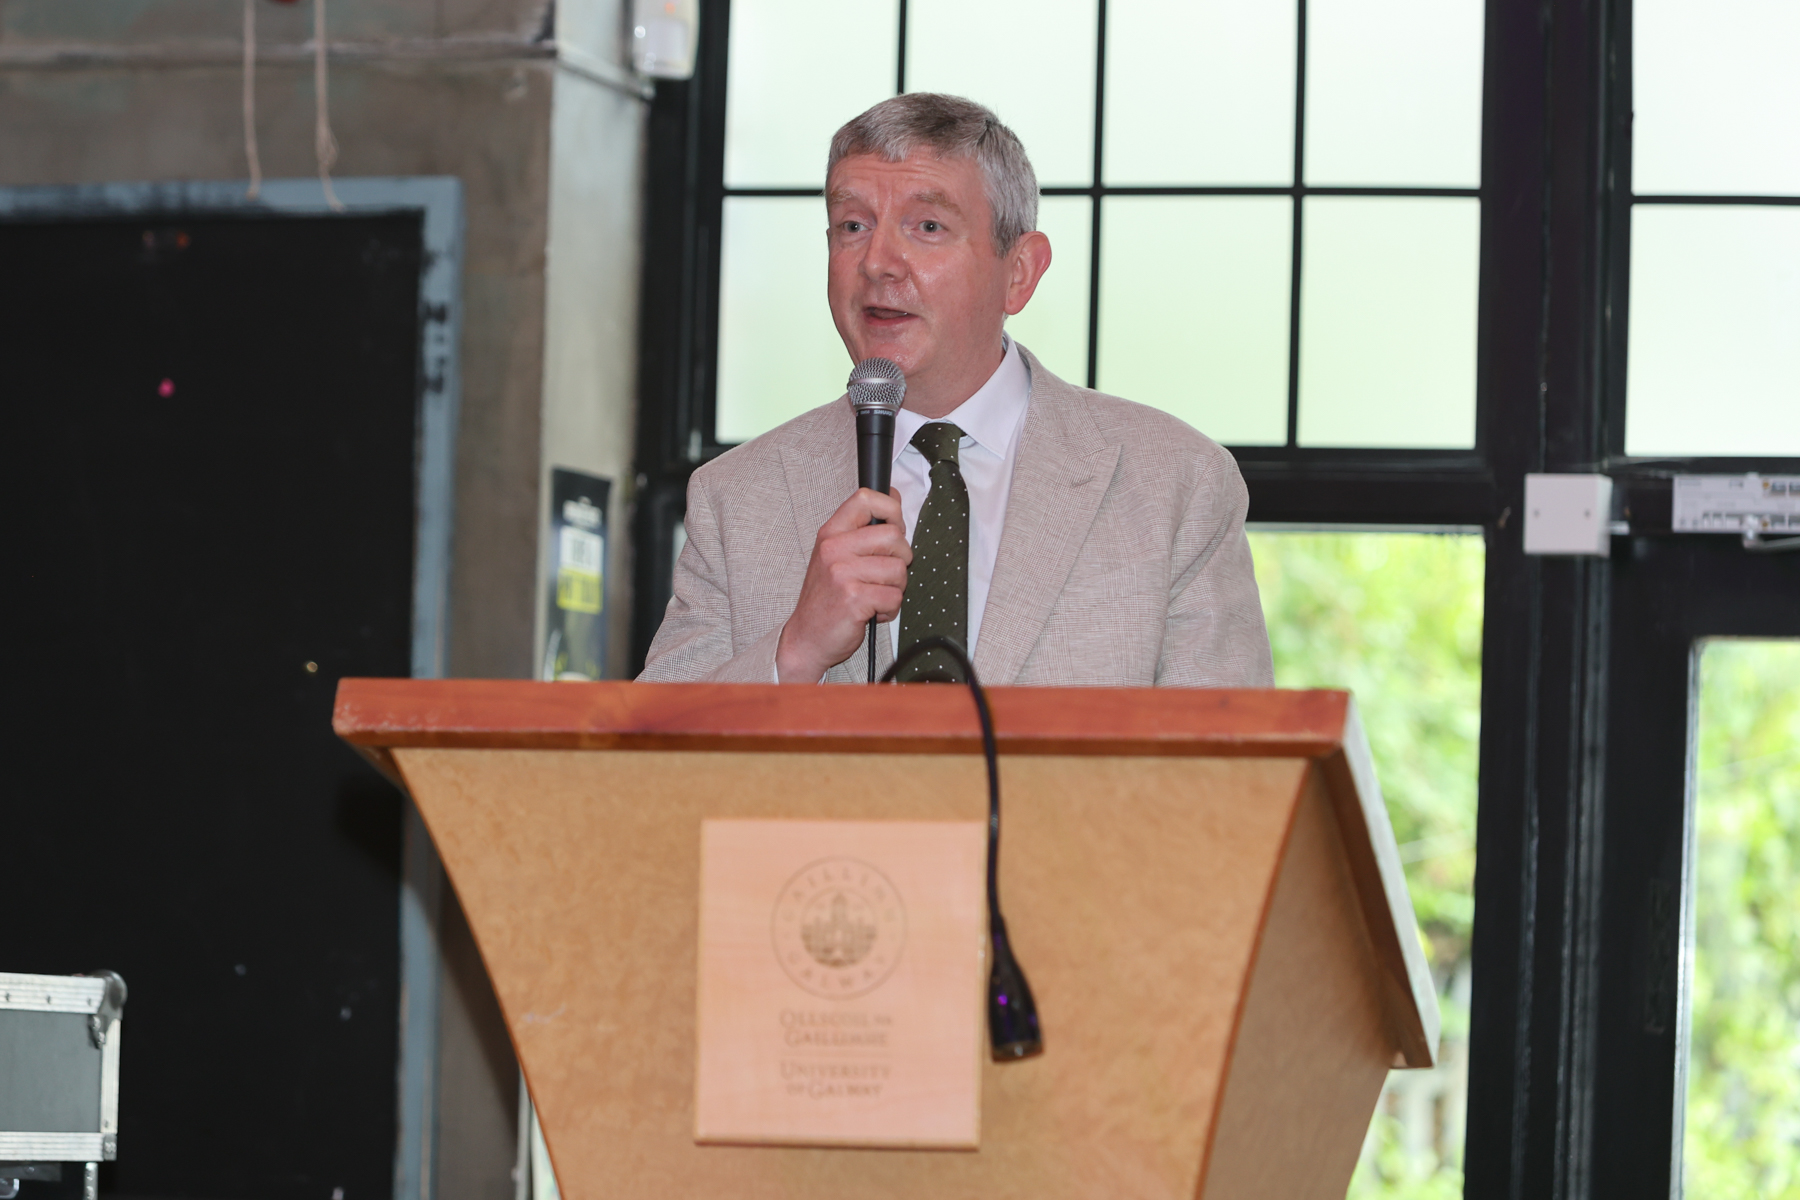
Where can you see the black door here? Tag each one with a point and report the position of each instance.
(207, 456)
(1668, 594)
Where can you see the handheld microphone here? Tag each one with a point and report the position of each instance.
(877, 390)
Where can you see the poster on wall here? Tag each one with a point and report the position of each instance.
(575, 623)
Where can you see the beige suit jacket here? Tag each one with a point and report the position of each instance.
(1122, 562)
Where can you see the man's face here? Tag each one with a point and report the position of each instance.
(914, 274)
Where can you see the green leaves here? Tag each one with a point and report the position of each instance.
(1396, 618)
(1743, 1104)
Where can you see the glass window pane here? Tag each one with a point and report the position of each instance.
(1199, 92)
(1393, 92)
(1194, 296)
(1715, 97)
(779, 353)
(1714, 359)
(1387, 322)
(1055, 324)
(796, 72)
(1396, 618)
(1741, 1133)
(1031, 61)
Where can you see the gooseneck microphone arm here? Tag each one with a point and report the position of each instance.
(1013, 1028)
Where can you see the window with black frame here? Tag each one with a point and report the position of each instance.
(1711, 369)
(1265, 220)
(1713, 362)
(1264, 217)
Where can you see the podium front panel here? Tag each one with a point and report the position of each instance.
(1201, 886)
(1134, 889)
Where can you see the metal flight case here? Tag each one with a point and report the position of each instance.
(59, 1076)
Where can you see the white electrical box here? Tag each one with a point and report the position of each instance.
(1736, 504)
(1568, 514)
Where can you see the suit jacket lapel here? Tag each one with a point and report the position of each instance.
(1060, 475)
(818, 483)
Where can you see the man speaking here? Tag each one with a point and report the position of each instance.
(1061, 535)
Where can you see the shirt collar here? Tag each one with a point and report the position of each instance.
(991, 417)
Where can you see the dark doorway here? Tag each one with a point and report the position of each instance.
(1669, 594)
(207, 442)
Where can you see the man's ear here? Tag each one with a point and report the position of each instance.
(1026, 263)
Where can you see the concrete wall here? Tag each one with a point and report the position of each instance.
(148, 89)
(590, 361)
(127, 90)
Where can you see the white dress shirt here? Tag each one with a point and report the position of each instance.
(990, 421)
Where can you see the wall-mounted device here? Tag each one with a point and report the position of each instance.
(664, 34)
(1568, 514)
(1751, 505)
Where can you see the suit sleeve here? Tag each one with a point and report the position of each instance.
(694, 642)
(1215, 636)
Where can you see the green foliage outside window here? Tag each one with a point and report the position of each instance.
(1742, 1130)
(1396, 619)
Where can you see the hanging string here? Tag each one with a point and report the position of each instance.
(250, 101)
(324, 145)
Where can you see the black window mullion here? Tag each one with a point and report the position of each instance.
(1615, 205)
(700, 440)
(1293, 392)
(900, 55)
(1735, 201)
(1095, 191)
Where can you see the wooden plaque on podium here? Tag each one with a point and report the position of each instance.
(841, 983)
(1202, 886)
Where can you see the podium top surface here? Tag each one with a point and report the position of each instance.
(915, 718)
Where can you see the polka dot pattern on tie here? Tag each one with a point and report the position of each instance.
(938, 583)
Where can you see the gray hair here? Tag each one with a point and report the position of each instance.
(951, 127)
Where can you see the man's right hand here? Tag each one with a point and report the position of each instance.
(857, 571)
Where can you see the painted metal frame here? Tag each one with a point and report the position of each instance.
(1619, 201)
(438, 200)
(1099, 190)
(1585, 697)
(679, 322)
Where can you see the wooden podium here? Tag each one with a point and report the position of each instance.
(1202, 886)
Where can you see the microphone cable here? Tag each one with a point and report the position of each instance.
(1013, 1028)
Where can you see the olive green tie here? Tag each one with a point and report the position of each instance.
(937, 585)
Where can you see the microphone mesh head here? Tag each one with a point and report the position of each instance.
(877, 384)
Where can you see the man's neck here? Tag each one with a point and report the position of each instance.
(933, 402)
